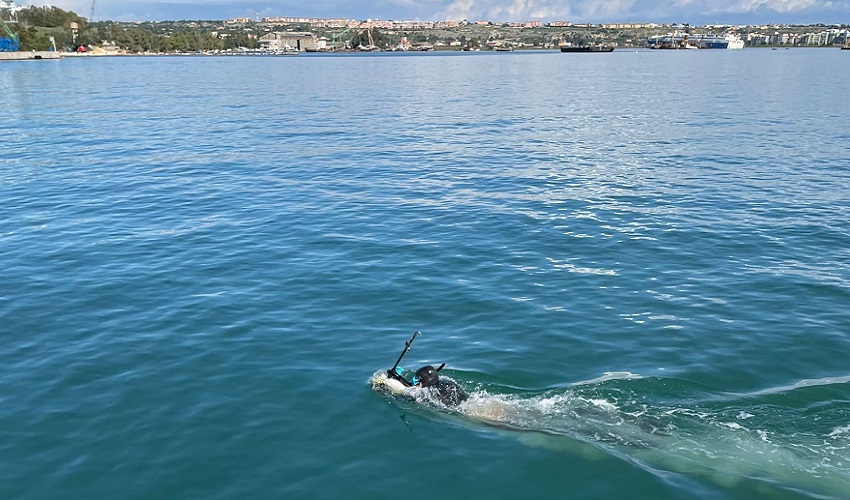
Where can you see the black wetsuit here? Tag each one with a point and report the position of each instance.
(448, 392)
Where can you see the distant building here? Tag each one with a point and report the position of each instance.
(627, 26)
(289, 40)
(560, 24)
(315, 22)
(9, 6)
(413, 25)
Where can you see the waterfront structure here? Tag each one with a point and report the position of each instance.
(290, 40)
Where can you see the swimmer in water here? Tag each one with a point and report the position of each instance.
(428, 382)
(450, 393)
(445, 390)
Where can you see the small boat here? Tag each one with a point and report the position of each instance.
(587, 48)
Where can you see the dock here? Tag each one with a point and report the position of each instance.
(25, 55)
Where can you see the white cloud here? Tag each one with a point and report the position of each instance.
(781, 6)
(458, 9)
(494, 10)
(611, 9)
(505, 10)
(614, 10)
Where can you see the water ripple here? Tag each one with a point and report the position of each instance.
(203, 258)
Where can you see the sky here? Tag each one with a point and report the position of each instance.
(698, 12)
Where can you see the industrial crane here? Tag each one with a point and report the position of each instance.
(9, 42)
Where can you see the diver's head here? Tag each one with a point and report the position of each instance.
(427, 376)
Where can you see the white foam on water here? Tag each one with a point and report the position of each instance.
(712, 444)
(801, 384)
(605, 405)
(610, 376)
(839, 431)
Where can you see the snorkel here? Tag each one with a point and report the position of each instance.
(396, 371)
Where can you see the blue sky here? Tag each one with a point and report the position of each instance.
(577, 11)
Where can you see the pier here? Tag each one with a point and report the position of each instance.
(29, 55)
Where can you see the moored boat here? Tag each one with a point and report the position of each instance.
(695, 41)
(728, 41)
(670, 41)
(587, 48)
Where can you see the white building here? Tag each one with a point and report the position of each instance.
(290, 40)
(9, 9)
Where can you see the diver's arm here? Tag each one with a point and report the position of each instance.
(398, 376)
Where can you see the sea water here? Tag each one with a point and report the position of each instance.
(636, 263)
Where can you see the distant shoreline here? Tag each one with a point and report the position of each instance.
(84, 55)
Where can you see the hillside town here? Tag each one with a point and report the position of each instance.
(308, 34)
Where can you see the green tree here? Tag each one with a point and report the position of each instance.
(239, 40)
(27, 37)
(49, 17)
(363, 38)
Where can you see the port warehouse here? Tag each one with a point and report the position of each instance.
(303, 42)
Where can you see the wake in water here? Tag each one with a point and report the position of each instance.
(792, 438)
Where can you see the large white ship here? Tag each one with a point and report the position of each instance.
(715, 41)
(689, 41)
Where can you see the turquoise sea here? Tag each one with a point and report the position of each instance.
(642, 257)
